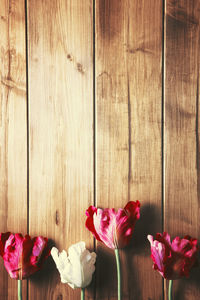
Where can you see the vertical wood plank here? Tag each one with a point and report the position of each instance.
(181, 144)
(13, 133)
(129, 113)
(60, 35)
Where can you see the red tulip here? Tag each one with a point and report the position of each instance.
(22, 256)
(113, 228)
(173, 260)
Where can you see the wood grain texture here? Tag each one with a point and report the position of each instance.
(129, 112)
(128, 133)
(13, 133)
(181, 145)
(61, 131)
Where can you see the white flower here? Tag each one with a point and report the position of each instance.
(77, 268)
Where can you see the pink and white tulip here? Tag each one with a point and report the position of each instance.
(114, 229)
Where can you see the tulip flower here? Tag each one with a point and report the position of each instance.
(22, 256)
(175, 259)
(77, 267)
(114, 229)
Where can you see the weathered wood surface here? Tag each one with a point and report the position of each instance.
(61, 130)
(144, 143)
(181, 134)
(128, 149)
(13, 130)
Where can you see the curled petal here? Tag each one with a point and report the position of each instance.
(3, 239)
(90, 212)
(62, 264)
(157, 253)
(133, 208)
(126, 219)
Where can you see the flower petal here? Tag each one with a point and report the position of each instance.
(90, 212)
(125, 220)
(157, 253)
(105, 226)
(133, 208)
(3, 239)
(13, 255)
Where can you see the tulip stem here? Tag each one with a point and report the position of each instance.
(19, 289)
(82, 294)
(170, 289)
(118, 273)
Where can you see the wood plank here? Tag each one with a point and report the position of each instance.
(13, 133)
(129, 113)
(181, 145)
(60, 35)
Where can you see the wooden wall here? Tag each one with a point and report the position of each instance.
(99, 105)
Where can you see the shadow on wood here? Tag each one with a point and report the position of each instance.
(48, 273)
(106, 273)
(183, 284)
(150, 216)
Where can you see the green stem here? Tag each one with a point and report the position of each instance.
(170, 290)
(19, 289)
(118, 273)
(82, 294)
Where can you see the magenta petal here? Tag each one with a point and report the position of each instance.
(3, 239)
(90, 212)
(39, 244)
(157, 253)
(125, 220)
(13, 255)
(133, 209)
(105, 225)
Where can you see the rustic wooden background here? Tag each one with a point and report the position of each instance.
(99, 105)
